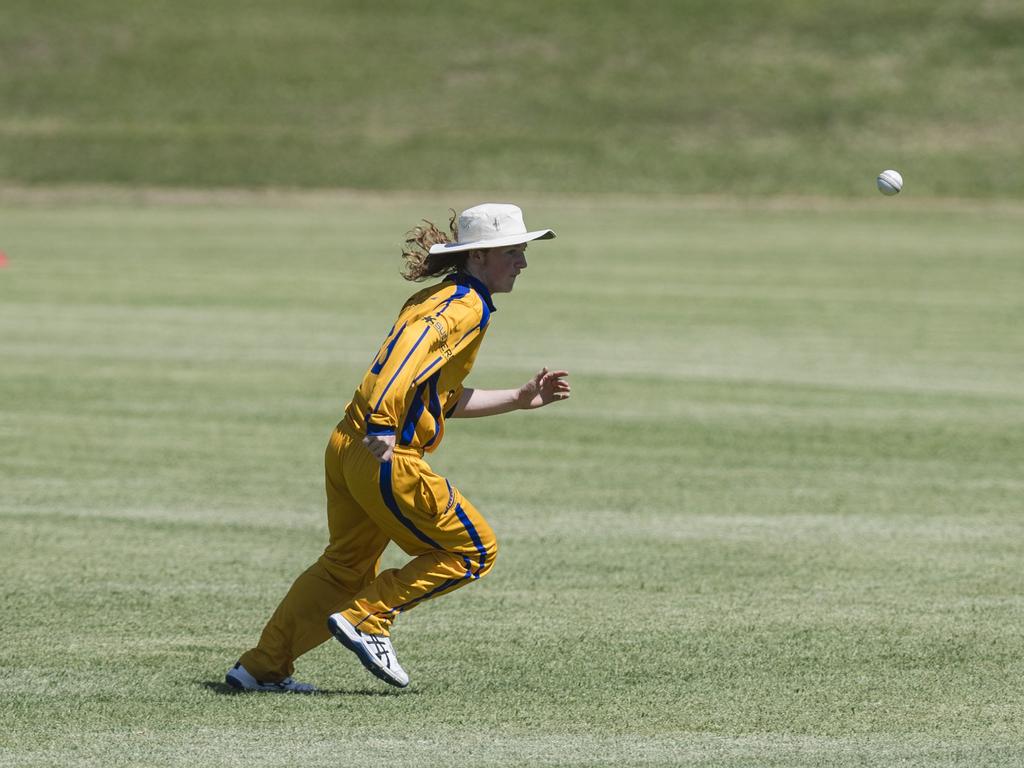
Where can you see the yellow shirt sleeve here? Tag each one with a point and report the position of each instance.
(417, 346)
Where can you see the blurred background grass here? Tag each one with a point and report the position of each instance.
(744, 97)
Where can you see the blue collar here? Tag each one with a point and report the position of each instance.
(464, 278)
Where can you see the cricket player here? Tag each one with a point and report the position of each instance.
(379, 487)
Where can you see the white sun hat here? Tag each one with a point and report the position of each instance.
(491, 225)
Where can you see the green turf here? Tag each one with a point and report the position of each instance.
(700, 96)
(778, 524)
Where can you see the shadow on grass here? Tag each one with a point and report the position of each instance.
(223, 689)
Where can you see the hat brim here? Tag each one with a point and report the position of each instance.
(498, 242)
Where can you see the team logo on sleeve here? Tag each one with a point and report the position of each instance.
(442, 334)
(437, 325)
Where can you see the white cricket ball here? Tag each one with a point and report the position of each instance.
(889, 182)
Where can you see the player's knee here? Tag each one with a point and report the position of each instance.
(488, 556)
(479, 547)
(479, 562)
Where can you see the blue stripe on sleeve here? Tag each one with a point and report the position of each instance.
(460, 291)
(485, 318)
(389, 500)
(426, 370)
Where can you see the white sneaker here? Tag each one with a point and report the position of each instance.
(240, 678)
(374, 651)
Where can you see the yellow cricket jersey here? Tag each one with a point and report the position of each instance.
(416, 378)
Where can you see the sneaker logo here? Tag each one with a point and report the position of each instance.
(380, 649)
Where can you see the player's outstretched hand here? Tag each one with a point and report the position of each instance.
(546, 387)
(381, 446)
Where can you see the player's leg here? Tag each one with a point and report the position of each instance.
(452, 546)
(451, 543)
(349, 562)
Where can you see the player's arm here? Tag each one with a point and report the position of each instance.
(544, 388)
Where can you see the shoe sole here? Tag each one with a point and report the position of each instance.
(361, 653)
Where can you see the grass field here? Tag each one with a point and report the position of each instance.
(779, 523)
(685, 97)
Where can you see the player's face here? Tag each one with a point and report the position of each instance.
(498, 268)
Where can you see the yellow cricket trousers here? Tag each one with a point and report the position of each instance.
(368, 505)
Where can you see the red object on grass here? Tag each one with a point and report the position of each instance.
(3, 259)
